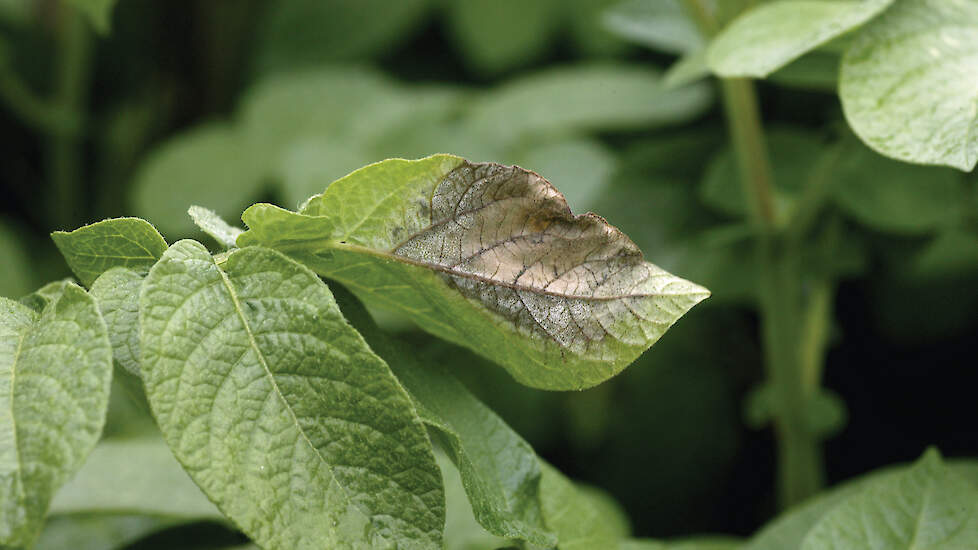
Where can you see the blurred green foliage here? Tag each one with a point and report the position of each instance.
(225, 103)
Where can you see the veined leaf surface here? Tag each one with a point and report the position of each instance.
(117, 294)
(489, 257)
(926, 507)
(121, 242)
(499, 470)
(55, 372)
(907, 83)
(279, 410)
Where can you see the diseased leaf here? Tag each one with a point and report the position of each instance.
(891, 196)
(134, 476)
(117, 294)
(56, 369)
(657, 24)
(585, 98)
(927, 506)
(212, 224)
(907, 83)
(772, 35)
(583, 166)
(119, 242)
(499, 470)
(489, 257)
(278, 409)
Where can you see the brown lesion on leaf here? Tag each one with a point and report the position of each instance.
(506, 238)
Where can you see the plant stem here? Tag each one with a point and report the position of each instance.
(792, 327)
(781, 300)
(785, 333)
(744, 119)
(71, 95)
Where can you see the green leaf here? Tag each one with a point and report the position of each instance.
(117, 293)
(951, 254)
(134, 476)
(301, 34)
(278, 409)
(97, 531)
(907, 83)
(817, 70)
(689, 69)
(657, 24)
(790, 530)
(891, 196)
(99, 12)
(927, 506)
(772, 35)
(793, 162)
(119, 242)
(499, 470)
(209, 165)
(57, 367)
(209, 222)
(462, 531)
(584, 98)
(475, 25)
(584, 519)
(489, 257)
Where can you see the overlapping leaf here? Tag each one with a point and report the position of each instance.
(772, 35)
(278, 409)
(55, 367)
(499, 470)
(489, 257)
(121, 242)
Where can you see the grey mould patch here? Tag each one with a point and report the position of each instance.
(504, 236)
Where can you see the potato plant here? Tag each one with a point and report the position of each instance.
(281, 404)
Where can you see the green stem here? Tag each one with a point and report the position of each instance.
(71, 95)
(792, 327)
(756, 176)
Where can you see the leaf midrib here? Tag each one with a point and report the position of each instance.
(303, 245)
(278, 391)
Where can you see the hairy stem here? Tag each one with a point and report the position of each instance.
(71, 95)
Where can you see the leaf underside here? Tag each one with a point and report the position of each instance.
(489, 257)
